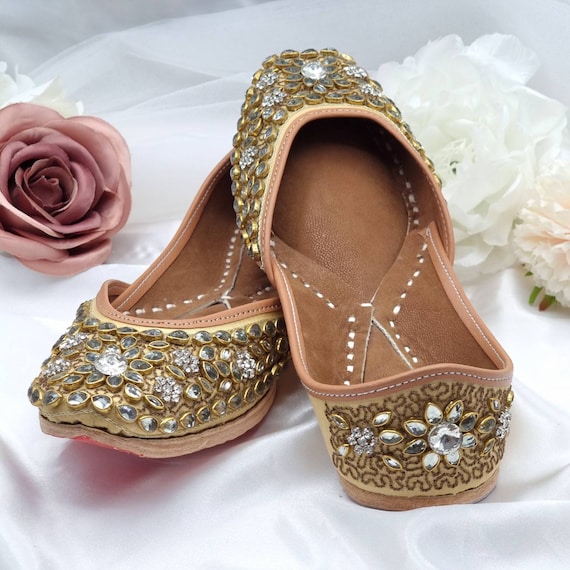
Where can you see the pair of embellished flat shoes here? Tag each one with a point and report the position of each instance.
(342, 258)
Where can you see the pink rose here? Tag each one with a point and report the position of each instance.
(64, 188)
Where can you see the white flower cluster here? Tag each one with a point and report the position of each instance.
(20, 88)
(542, 236)
(490, 136)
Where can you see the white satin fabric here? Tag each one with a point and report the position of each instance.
(170, 76)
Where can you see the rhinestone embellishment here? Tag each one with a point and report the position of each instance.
(362, 441)
(168, 389)
(445, 438)
(154, 383)
(111, 362)
(186, 361)
(313, 70)
(246, 364)
(438, 440)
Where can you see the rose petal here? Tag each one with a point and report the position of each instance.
(83, 198)
(67, 242)
(21, 116)
(14, 220)
(26, 248)
(114, 210)
(114, 137)
(73, 263)
(101, 157)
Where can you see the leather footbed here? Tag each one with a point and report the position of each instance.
(210, 273)
(349, 232)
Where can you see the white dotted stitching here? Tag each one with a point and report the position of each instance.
(229, 258)
(350, 346)
(306, 284)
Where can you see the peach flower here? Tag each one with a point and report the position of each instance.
(64, 188)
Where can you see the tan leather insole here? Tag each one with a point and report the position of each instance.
(211, 273)
(349, 243)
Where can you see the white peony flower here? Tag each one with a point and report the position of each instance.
(21, 89)
(488, 134)
(542, 236)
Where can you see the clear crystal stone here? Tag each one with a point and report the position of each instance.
(430, 460)
(239, 335)
(415, 428)
(211, 371)
(51, 398)
(220, 407)
(189, 420)
(226, 385)
(141, 365)
(415, 447)
(454, 411)
(148, 424)
(128, 342)
(390, 437)
(382, 418)
(391, 462)
(128, 413)
(101, 402)
(487, 425)
(133, 392)
(203, 337)
(488, 446)
(111, 362)
(445, 438)
(169, 425)
(314, 70)
(34, 395)
(433, 414)
(76, 399)
(223, 367)
(453, 457)
(223, 337)
(131, 353)
(154, 356)
(342, 450)
(194, 391)
(207, 353)
(226, 354)
(204, 415)
(468, 421)
(236, 401)
(371, 90)
(468, 440)
(339, 421)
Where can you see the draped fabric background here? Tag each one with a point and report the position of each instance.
(170, 76)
